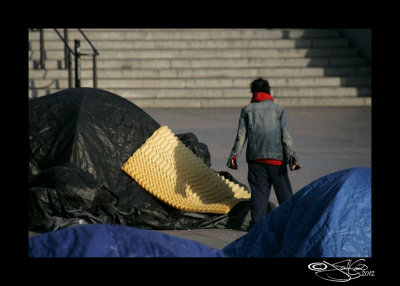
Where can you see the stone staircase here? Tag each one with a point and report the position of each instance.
(210, 67)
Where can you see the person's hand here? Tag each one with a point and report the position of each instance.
(295, 164)
(232, 162)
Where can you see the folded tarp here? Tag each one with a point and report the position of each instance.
(104, 240)
(330, 217)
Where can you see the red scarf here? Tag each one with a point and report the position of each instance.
(257, 97)
(261, 96)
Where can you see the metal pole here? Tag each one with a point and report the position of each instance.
(42, 65)
(66, 51)
(94, 70)
(77, 63)
(69, 66)
(67, 55)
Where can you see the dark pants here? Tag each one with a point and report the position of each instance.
(261, 176)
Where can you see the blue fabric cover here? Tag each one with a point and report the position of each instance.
(104, 240)
(330, 217)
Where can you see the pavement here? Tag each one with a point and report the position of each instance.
(327, 139)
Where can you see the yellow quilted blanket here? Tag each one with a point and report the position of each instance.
(170, 171)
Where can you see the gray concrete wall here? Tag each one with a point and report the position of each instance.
(360, 39)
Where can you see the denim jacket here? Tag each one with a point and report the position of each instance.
(265, 128)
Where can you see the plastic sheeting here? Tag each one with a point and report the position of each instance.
(104, 240)
(330, 217)
(78, 140)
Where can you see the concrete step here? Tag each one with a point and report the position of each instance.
(240, 102)
(219, 102)
(210, 67)
(210, 63)
(206, 53)
(240, 92)
(207, 82)
(201, 44)
(221, 92)
(206, 73)
(188, 34)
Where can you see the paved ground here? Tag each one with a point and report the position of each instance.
(326, 140)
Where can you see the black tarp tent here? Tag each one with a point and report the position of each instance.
(78, 140)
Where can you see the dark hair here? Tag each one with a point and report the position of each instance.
(260, 85)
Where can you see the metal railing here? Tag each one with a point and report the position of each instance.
(67, 57)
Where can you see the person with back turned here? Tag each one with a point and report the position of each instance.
(263, 124)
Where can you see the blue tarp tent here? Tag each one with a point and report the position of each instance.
(105, 240)
(330, 217)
